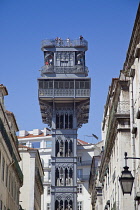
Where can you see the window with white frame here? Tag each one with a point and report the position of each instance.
(49, 190)
(49, 162)
(48, 144)
(49, 175)
(79, 188)
(48, 206)
(79, 205)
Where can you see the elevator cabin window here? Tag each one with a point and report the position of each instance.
(64, 121)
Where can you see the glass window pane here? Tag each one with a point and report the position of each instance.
(41, 84)
(71, 85)
(67, 85)
(50, 84)
(61, 84)
(77, 85)
(87, 85)
(56, 84)
(48, 144)
(45, 84)
(82, 85)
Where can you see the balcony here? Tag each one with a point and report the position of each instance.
(77, 69)
(64, 93)
(50, 43)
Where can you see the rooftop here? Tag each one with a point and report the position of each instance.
(58, 42)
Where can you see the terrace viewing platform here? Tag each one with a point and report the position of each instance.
(58, 42)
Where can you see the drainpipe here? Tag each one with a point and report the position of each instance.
(132, 135)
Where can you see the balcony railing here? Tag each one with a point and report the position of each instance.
(77, 69)
(64, 43)
(64, 92)
(83, 177)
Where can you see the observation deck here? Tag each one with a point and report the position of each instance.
(77, 69)
(68, 43)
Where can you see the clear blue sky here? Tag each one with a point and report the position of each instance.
(106, 25)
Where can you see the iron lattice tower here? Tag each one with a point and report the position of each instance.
(64, 98)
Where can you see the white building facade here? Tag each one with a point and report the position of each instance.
(43, 141)
(32, 169)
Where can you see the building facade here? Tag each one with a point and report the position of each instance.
(32, 189)
(11, 177)
(64, 96)
(121, 133)
(42, 140)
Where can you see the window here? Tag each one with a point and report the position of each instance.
(23, 143)
(36, 144)
(64, 84)
(48, 206)
(49, 175)
(79, 173)
(9, 181)
(48, 144)
(79, 159)
(64, 58)
(0, 205)
(6, 175)
(49, 162)
(64, 120)
(79, 188)
(3, 169)
(79, 205)
(63, 63)
(48, 190)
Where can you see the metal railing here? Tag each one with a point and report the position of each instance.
(64, 92)
(77, 69)
(64, 43)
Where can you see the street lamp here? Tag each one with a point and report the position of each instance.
(126, 179)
